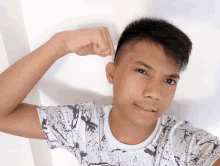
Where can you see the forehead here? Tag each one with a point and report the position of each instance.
(152, 54)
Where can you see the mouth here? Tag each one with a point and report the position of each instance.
(146, 108)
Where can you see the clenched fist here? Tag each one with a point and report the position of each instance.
(89, 41)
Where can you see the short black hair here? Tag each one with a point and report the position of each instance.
(176, 44)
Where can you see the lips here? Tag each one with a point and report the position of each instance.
(150, 108)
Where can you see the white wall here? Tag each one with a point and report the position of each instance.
(74, 79)
(14, 44)
(198, 93)
(14, 150)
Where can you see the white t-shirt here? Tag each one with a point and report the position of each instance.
(84, 131)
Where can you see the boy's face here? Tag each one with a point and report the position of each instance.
(134, 84)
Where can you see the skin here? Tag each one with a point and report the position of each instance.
(133, 83)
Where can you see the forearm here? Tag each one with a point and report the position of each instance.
(18, 80)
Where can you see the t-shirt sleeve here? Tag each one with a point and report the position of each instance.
(60, 125)
(204, 149)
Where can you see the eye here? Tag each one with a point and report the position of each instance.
(170, 82)
(141, 70)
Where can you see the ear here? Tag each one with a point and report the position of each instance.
(110, 69)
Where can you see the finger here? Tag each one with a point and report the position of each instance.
(110, 43)
(100, 44)
(105, 36)
(103, 55)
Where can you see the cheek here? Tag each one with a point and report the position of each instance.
(133, 84)
(168, 94)
(127, 86)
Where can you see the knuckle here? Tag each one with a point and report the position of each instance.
(103, 27)
(106, 29)
(95, 31)
(99, 29)
(99, 32)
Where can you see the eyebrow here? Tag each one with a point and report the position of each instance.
(149, 67)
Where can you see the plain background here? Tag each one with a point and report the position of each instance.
(27, 24)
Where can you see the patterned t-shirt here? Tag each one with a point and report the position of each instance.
(83, 129)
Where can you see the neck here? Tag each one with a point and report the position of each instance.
(127, 133)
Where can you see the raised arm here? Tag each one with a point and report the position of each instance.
(19, 79)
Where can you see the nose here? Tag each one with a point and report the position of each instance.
(153, 90)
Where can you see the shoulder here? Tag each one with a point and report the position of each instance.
(193, 144)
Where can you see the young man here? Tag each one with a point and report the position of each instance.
(133, 130)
